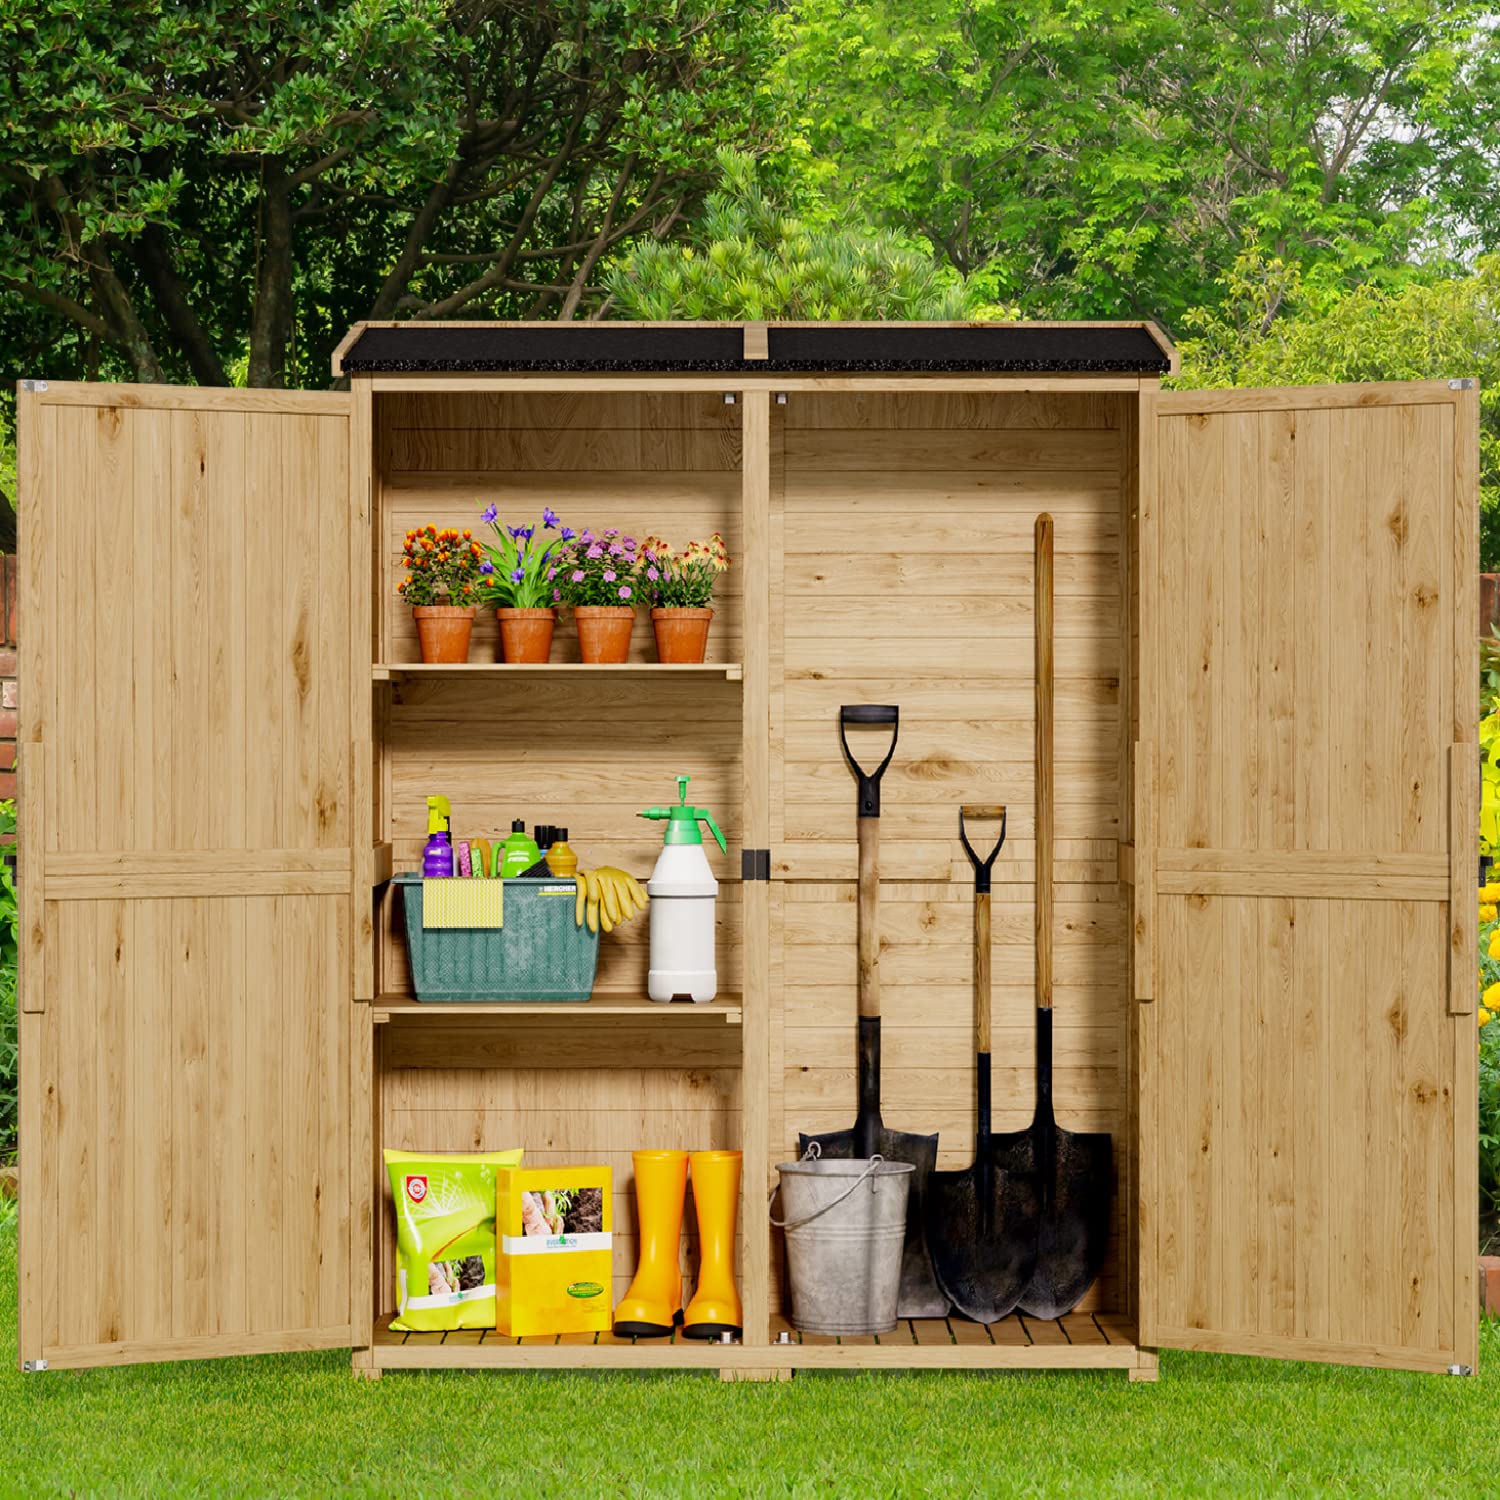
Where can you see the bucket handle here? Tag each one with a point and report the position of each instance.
(876, 1162)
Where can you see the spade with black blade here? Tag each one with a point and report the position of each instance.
(920, 1296)
(1073, 1170)
(982, 1223)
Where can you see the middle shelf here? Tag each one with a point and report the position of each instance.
(724, 1009)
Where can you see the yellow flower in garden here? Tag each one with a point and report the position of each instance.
(1490, 892)
(1491, 995)
(1485, 1017)
(1486, 913)
(1495, 943)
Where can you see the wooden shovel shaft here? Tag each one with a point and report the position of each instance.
(982, 969)
(869, 918)
(1044, 762)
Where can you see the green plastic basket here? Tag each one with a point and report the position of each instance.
(539, 954)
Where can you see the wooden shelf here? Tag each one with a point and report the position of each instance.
(724, 1009)
(1079, 1341)
(728, 671)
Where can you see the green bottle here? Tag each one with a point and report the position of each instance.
(519, 852)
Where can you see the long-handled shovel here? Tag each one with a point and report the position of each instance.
(920, 1295)
(1073, 1170)
(982, 1223)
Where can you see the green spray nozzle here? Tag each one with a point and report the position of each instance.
(682, 820)
(439, 815)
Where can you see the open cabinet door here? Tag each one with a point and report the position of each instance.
(184, 872)
(1306, 929)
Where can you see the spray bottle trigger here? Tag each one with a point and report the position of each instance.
(713, 828)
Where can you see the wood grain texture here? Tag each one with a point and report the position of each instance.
(195, 884)
(1300, 1081)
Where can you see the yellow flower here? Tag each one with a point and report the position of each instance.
(1485, 1017)
(1491, 996)
(1490, 892)
(1495, 943)
(1487, 913)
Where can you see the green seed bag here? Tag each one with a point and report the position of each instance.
(445, 1239)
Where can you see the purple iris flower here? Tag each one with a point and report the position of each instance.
(567, 533)
(518, 575)
(486, 567)
(520, 533)
(549, 518)
(489, 514)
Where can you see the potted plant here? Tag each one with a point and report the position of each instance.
(519, 581)
(441, 585)
(681, 587)
(597, 577)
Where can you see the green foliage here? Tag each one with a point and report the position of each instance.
(1269, 329)
(746, 256)
(1107, 157)
(188, 189)
(520, 567)
(1489, 1051)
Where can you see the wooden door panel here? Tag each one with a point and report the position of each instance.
(1307, 1094)
(185, 1046)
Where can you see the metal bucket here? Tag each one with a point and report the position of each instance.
(845, 1227)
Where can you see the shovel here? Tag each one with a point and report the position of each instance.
(982, 1223)
(1073, 1170)
(920, 1296)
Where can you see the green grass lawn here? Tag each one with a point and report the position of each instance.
(300, 1425)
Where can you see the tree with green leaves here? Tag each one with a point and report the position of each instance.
(213, 192)
(1266, 332)
(747, 256)
(1111, 157)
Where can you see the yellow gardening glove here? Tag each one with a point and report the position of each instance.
(607, 897)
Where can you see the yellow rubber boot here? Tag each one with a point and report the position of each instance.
(715, 1307)
(653, 1304)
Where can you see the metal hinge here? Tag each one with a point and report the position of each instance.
(1462, 385)
(37, 387)
(1460, 1369)
(33, 1366)
(755, 864)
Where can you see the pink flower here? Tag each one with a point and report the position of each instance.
(624, 590)
(653, 574)
(613, 531)
(610, 575)
(595, 552)
(616, 550)
(577, 575)
(557, 596)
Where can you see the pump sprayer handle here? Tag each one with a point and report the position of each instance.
(707, 817)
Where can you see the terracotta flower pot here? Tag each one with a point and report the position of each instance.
(681, 634)
(604, 632)
(526, 635)
(443, 630)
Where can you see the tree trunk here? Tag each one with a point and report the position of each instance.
(153, 254)
(271, 323)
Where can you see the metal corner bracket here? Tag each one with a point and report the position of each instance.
(34, 387)
(1462, 385)
(33, 1366)
(1460, 1369)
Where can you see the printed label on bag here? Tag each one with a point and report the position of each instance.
(585, 1289)
(558, 890)
(416, 1188)
(542, 1244)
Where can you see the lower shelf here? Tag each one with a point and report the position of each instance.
(1080, 1341)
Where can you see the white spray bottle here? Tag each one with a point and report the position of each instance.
(683, 892)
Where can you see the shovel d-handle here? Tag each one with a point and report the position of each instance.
(869, 781)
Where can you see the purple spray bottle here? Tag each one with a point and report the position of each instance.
(437, 857)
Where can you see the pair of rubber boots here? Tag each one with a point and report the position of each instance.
(653, 1305)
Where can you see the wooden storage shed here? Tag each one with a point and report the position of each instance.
(1265, 819)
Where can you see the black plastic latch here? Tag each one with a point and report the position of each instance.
(755, 864)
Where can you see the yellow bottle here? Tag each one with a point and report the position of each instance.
(561, 859)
